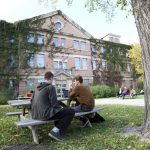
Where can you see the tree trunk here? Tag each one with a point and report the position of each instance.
(141, 11)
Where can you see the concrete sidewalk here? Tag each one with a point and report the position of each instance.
(133, 102)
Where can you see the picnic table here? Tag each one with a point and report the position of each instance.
(27, 121)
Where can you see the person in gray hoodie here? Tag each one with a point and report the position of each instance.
(44, 106)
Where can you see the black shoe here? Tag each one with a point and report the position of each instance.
(56, 136)
(86, 123)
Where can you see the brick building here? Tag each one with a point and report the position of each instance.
(74, 58)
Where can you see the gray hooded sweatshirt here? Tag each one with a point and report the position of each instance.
(44, 104)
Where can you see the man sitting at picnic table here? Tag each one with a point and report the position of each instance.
(44, 106)
(84, 97)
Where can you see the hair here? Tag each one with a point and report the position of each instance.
(78, 78)
(48, 75)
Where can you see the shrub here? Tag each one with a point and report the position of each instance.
(114, 91)
(102, 91)
(5, 95)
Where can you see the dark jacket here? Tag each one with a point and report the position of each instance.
(44, 104)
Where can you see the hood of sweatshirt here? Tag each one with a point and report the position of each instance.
(42, 85)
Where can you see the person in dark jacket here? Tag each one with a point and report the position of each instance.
(44, 106)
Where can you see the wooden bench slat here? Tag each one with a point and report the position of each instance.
(32, 122)
(88, 112)
(14, 113)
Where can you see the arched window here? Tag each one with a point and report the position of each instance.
(58, 25)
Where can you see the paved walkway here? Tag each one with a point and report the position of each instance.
(133, 102)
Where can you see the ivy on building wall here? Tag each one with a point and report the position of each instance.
(111, 59)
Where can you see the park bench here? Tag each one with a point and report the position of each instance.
(15, 113)
(33, 124)
(129, 96)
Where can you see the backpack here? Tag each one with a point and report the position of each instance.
(97, 118)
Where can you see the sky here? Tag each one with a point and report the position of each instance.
(94, 23)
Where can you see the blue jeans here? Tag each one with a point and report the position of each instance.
(81, 108)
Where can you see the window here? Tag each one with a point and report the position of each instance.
(30, 38)
(31, 61)
(30, 84)
(64, 65)
(11, 61)
(77, 63)
(104, 64)
(83, 45)
(63, 42)
(84, 63)
(111, 39)
(102, 49)
(92, 47)
(94, 64)
(58, 25)
(55, 41)
(40, 80)
(116, 84)
(111, 51)
(40, 60)
(59, 65)
(128, 68)
(12, 39)
(76, 44)
(40, 39)
(86, 81)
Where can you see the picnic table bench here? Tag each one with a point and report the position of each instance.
(33, 124)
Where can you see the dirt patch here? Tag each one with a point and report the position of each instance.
(129, 131)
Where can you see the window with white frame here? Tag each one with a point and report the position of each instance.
(102, 49)
(93, 48)
(104, 64)
(58, 25)
(12, 39)
(83, 45)
(110, 50)
(31, 60)
(40, 60)
(55, 39)
(60, 65)
(63, 42)
(86, 81)
(30, 84)
(84, 63)
(94, 64)
(116, 84)
(128, 68)
(111, 39)
(11, 60)
(75, 44)
(30, 38)
(77, 63)
(40, 39)
(40, 80)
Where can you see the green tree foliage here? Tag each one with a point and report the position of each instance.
(114, 55)
(135, 56)
(15, 52)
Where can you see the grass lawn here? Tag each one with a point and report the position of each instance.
(103, 136)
